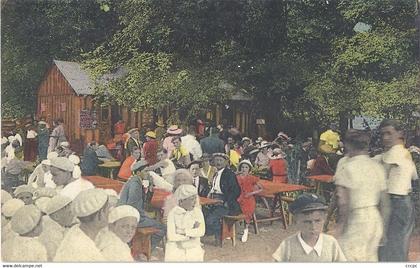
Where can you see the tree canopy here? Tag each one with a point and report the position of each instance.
(301, 60)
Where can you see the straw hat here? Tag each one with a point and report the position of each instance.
(174, 130)
(160, 123)
(151, 134)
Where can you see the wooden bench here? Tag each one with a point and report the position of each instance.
(229, 229)
(142, 243)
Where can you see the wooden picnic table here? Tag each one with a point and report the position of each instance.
(319, 180)
(111, 165)
(276, 191)
(105, 183)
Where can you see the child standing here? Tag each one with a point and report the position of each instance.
(185, 227)
(309, 244)
(249, 187)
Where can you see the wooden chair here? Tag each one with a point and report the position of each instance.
(142, 243)
(229, 229)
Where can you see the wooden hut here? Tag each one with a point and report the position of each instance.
(67, 92)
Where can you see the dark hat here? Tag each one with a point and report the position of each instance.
(194, 162)
(225, 156)
(307, 202)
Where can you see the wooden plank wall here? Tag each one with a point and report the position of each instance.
(56, 95)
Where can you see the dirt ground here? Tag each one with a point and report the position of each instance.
(259, 248)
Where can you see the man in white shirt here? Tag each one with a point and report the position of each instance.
(400, 171)
(192, 145)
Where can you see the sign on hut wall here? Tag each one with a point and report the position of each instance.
(88, 119)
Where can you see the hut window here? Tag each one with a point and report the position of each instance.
(105, 114)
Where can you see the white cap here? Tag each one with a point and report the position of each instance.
(25, 219)
(23, 189)
(5, 196)
(88, 202)
(64, 144)
(57, 202)
(52, 155)
(4, 140)
(123, 211)
(246, 161)
(62, 163)
(42, 203)
(10, 207)
(185, 191)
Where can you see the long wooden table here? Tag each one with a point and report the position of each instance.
(105, 183)
(276, 192)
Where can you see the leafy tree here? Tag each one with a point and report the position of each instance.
(36, 32)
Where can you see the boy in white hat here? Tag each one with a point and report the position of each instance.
(66, 175)
(78, 245)
(25, 193)
(27, 223)
(112, 240)
(41, 176)
(185, 227)
(9, 209)
(55, 224)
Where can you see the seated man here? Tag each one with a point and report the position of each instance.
(201, 183)
(226, 188)
(166, 168)
(180, 154)
(90, 160)
(132, 194)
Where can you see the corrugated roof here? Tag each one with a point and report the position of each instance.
(78, 79)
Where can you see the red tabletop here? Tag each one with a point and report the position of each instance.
(105, 183)
(270, 188)
(321, 178)
(98, 179)
(116, 186)
(159, 197)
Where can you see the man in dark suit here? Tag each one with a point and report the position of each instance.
(225, 187)
(201, 183)
(212, 144)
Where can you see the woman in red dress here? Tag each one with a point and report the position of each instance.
(249, 187)
(278, 166)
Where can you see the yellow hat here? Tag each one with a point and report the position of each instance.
(151, 134)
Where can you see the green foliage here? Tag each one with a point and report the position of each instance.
(300, 60)
(36, 32)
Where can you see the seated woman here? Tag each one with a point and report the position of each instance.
(113, 240)
(185, 227)
(125, 169)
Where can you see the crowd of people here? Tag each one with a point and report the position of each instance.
(55, 214)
